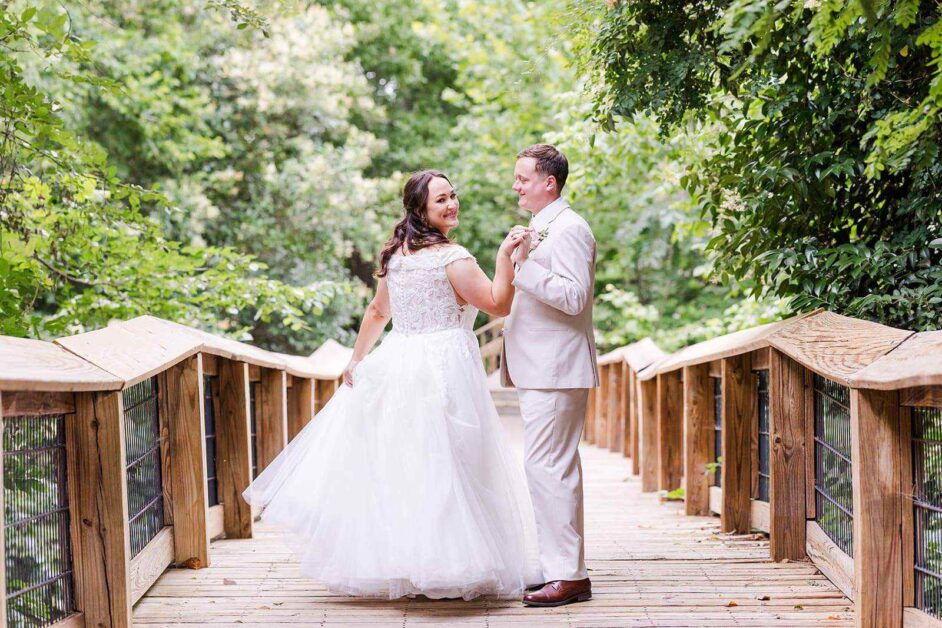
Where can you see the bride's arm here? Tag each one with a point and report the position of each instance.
(375, 317)
(473, 286)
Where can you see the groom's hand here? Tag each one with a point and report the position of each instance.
(522, 252)
(511, 243)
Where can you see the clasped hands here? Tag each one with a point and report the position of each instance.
(519, 243)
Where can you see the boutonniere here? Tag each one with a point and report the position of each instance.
(544, 232)
(540, 236)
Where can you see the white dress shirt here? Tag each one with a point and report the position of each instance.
(539, 220)
(546, 215)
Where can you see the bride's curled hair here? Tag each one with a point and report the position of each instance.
(413, 231)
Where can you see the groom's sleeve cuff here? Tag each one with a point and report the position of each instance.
(527, 276)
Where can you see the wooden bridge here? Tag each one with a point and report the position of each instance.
(817, 441)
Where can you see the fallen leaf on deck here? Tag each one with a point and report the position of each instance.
(228, 581)
(732, 604)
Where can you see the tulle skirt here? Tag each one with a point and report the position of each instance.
(405, 483)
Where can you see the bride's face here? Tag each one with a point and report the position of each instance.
(442, 205)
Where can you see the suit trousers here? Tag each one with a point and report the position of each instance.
(552, 428)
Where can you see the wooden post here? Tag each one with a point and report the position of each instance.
(601, 408)
(597, 409)
(184, 398)
(787, 458)
(908, 488)
(624, 409)
(3, 572)
(325, 389)
(95, 440)
(615, 417)
(588, 429)
(670, 420)
(810, 497)
(648, 437)
(233, 448)
(739, 416)
(272, 418)
(634, 432)
(875, 450)
(698, 432)
(300, 405)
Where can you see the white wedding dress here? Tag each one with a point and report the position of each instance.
(405, 483)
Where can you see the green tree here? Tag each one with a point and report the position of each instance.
(77, 247)
(251, 136)
(411, 77)
(823, 181)
(520, 83)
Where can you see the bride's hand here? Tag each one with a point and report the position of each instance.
(348, 372)
(524, 246)
(512, 241)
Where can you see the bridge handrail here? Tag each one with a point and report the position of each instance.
(156, 380)
(490, 343)
(657, 408)
(800, 371)
(89, 385)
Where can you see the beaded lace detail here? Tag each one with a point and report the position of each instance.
(421, 297)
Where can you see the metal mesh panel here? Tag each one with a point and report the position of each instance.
(39, 588)
(142, 452)
(209, 418)
(927, 508)
(833, 468)
(762, 389)
(717, 428)
(254, 420)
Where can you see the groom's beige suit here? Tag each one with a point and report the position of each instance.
(549, 356)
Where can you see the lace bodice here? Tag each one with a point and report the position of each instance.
(421, 297)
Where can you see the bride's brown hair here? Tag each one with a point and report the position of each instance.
(413, 230)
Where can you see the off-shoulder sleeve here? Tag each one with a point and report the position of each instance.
(454, 253)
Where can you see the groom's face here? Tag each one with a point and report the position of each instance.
(534, 190)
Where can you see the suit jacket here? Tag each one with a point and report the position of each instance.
(548, 338)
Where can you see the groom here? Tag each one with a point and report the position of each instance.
(549, 356)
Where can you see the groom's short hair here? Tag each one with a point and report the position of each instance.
(549, 161)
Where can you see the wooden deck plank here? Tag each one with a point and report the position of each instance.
(650, 566)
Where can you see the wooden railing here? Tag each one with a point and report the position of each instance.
(823, 431)
(126, 451)
(490, 342)
(127, 448)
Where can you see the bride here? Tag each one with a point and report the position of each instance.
(404, 483)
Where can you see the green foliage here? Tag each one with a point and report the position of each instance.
(220, 163)
(519, 83)
(824, 175)
(744, 314)
(80, 234)
(621, 317)
(710, 468)
(413, 79)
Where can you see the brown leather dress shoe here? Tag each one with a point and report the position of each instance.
(559, 592)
